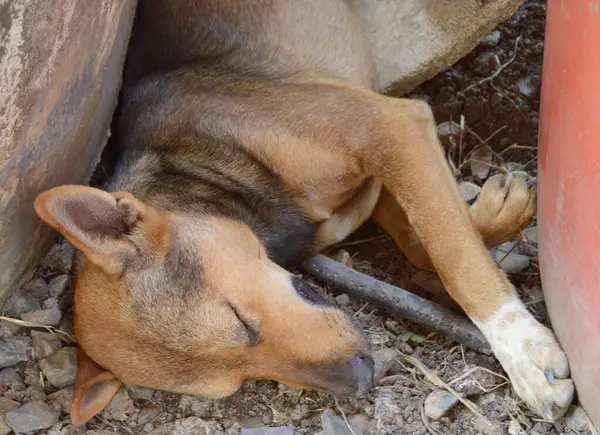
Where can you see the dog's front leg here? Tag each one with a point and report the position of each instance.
(410, 162)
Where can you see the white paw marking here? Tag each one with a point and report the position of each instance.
(532, 358)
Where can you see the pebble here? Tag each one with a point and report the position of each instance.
(344, 257)
(48, 317)
(37, 288)
(514, 428)
(50, 303)
(148, 414)
(577, 419)
(60, 258)
(45, 344)
(511, 262)
(6, 405)
(20, 302)
(525, 86)
(531, 234)
(188, 426)
(31, 417)
(11, 379)
(8, 355)
(335, 425)
(469, 191)
(139, 393)
(61, 399)
(448, 128)
(73, 430)
(493, 38)
(438, 403)
(59, 285)
(60, 368)
(8, 329)
(21, 345)
(120, 407)
(384, 360)
(280, 430)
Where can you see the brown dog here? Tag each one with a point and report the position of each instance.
(253, 136)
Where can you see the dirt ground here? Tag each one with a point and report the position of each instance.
(494, 95)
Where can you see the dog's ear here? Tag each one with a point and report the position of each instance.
(95, 222)
(94, 389)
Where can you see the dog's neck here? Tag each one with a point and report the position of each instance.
(202, 176)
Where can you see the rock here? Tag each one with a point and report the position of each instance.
(45, 344)
(438, 403)
(22, 346)
(60, 258)
(50, 303)
(120, 407)
(510, 263)
(148, 414)
(526, 86)
(531, 234)
(61, 400)
(20, 302)
(139, 393)
(188, 426)
(8, 329)
(31, 417)
(469, 191)
(448, 128)
(37, 288)
(493, 38)
(60, 368)
(577, 419)
(66, 325)
(6, 405)
(383, 359)
(280, 430)
(514, 428)
(11, 379)
(59, 285)
(73, 430)
(334, 425)
(344, 257)
(8, 355)
(48, 317)
(513, 166)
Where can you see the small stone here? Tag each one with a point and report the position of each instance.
(59, 285)
(343, 300)
(120, 407)
(384, 360)
(513, 166)
(60, 368)
(45, 344)
(448, 128)
(50, 303)
(280, 430)
(334, 425)
(344, 257)
(469, 191)
(438, 403)
(577, 419)
(66, 325)
(37, 288)
(31, 417)
(493, 38)
(8, 355)
(8, 329)
(514, 428)
(531, 235)
(511, 262)
(73, 430)
(20, 302)
(9, 378)
(21, 345)
(139, 393)
(6, 405)
(149, 414)
(48, 317)
(61, 399)
(60, 258)
(190, 426)
(526, 87)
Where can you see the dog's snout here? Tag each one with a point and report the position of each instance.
(363, 370)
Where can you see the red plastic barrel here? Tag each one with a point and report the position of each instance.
(569, 179)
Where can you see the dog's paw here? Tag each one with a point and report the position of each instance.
(506, 204)
(529, 353)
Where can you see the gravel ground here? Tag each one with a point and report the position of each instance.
(494, 95)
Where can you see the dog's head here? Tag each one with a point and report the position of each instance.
(191, 305)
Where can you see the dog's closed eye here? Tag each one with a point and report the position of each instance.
(248, 324)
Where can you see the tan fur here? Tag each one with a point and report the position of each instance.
(170, 293)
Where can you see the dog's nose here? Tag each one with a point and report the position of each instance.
(363, 370)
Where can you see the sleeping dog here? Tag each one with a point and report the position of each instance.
(252, 136)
